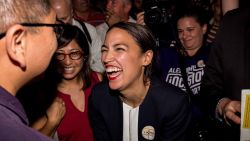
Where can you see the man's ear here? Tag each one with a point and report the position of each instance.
(148, 56)
(16, 45)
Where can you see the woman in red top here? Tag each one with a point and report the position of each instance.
(71, 73)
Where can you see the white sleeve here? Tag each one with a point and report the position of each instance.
(95, 49)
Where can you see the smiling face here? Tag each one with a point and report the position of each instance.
(123, 59)
(190, 32)
(119, 8)
(69, 68)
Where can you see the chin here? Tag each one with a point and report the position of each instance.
(114, 86)
(68, 77)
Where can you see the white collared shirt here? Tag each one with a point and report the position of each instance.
(130, 122)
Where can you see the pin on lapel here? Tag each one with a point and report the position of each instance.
(148, 132)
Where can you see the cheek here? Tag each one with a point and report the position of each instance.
(50, 45)
(197, 33)
(53, 43)
(119, 10)
(180, 36)
(128, 61)
(198, 36)
(59, 67)
(80, 64)
(103, 56)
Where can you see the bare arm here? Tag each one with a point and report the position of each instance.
(47, 124)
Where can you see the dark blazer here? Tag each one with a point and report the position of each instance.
(166, 108)
(228, 69)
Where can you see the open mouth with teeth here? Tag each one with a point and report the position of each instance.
(68, 68)
(113, 72)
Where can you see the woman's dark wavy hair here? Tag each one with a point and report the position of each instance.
(72, 33)
(144, 39)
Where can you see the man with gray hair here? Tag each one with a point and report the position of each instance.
(27, 43)
(116, 11)
(64, 12)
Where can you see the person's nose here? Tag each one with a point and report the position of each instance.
(67, 60)
(184, 34)
(107, 57)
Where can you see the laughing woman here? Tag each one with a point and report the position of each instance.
(131, 105)
(70, 73)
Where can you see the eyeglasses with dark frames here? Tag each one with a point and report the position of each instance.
(2, 35)
(58, 29)
(76, 55)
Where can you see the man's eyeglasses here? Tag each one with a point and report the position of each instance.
(59, 29)
(2, 35)
(73, 55)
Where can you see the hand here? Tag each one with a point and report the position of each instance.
(56, 111)
(140, 18)
(230, 110)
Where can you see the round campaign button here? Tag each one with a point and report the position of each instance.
(201, 63)
(148, 132)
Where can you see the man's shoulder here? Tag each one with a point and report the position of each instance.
(11, 130)
(102, 26)
(89, 26)
(80, 24)
(237, 16)
(131, 19)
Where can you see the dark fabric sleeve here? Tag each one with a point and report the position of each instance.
(212, 81)
(175, 126)
(96, 119)
(212, 85)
